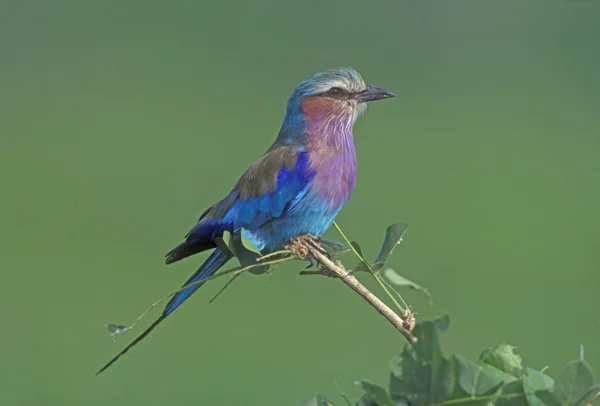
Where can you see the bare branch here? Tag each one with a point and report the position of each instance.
(306, 245)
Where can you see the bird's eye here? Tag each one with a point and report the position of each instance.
(336, 90)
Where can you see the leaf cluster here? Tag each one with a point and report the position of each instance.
(235, 244)
(422, 375)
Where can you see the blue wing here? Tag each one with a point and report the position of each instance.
(260, 205)
(269, 189)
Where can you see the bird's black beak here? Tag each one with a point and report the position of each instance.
(372, 93)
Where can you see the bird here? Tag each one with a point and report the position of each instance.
(296, 188)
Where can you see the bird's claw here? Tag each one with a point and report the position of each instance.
(301, 246)
(315, 243)
(312, 262)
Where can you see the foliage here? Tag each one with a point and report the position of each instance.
(239, 246)
(422, 375)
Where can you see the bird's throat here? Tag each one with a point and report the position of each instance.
(329, 141)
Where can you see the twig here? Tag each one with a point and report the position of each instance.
(594, 399)
(274, 254)
(403, 324)
(375, 274)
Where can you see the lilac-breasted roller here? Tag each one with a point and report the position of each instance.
(297, 187)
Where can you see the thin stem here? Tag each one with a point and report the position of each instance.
(229, 282)
(274, 254)
(389, 285)
(235, 271)
(341, 233)
(342, 394)
(461, 401)
(273, 262)
(393, 299)
(375, 274)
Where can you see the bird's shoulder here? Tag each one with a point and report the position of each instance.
(269, 184)
(280, 166)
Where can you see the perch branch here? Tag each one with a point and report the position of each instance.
(307, 245)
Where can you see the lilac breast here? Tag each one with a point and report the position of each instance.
(335, 176)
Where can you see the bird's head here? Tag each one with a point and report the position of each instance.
(336, 96)
(340, 86)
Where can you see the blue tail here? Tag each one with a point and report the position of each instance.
(206, 270)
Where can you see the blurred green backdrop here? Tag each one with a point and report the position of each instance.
(121, 121)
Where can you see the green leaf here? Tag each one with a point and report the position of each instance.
(404, 381)
(357, 248)
(576, 384)
(535, 382)
(245, 256)
(417, 382)
(502, 357)
(402, 368)
(476, 379)
(393, 237)
(441, 323)
(334, 247)
(378, 395)
(427, 347)
(223, 243)
(547, 398)
(242, 249)
(399, 280)
(448, 379)
(421, 373)
(248, 245)
(115, 329)
(427, 384)
(365, 400)
(512, 394)
(317, 400)
(360, 267)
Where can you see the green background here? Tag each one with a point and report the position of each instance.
(121, 121)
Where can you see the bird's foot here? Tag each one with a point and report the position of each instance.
(315, 242)
(320, 271)
(300, 247)
(324, 271)
(312, 262)
(308, 247)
